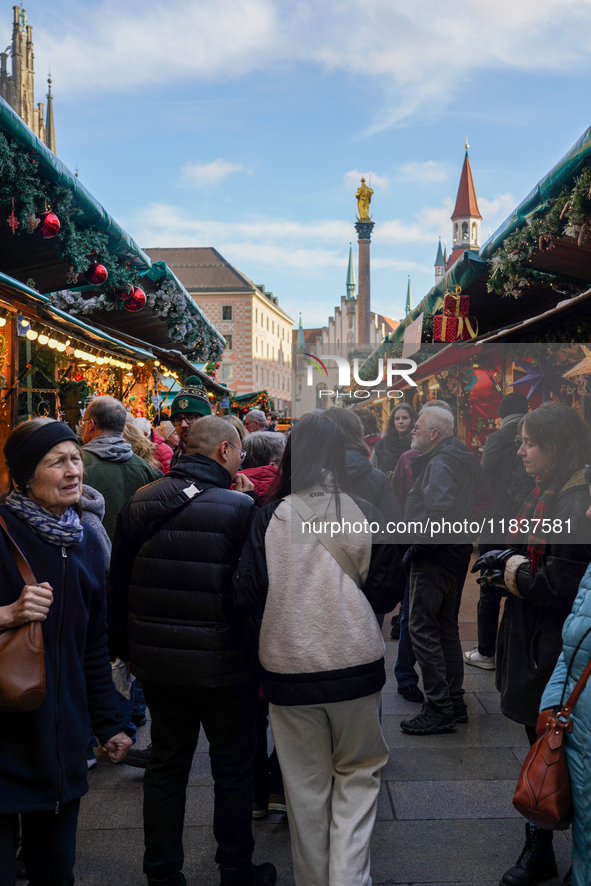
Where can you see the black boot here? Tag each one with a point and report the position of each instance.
(251, 875)
(536, 864)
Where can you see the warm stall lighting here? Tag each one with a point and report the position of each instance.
(52, 343)
(2, 321)
(78, 354)
(32, 335)
(43, 339)
(61, 347)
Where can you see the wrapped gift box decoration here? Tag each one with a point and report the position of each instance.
(456, 305)
(454, 328)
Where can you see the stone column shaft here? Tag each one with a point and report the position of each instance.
(364, 229)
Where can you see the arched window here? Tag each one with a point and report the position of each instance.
(464, 230)
(455, 231)
(474, 232)
(321, 402)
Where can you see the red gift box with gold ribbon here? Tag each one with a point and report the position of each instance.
(456, 305)
(454, 328)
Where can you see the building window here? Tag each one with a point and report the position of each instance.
(227, 371)
(267, 349)
(273, 379)
(256, 315)
(273, 327)
(256, 345)
(256, 373)
(455, 232)
(464, 230)
(267, 324)
(474, 232)
(272, 353)
(227, 312)
(228, 342)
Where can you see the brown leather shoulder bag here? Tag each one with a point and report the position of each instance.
(543, 793)
(22, 659)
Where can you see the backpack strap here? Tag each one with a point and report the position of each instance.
(335, 550)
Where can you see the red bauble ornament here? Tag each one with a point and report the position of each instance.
(123, 294)
(96, 274)
(137, 300)
(50, 225)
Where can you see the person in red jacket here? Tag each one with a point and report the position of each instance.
(163, 452)
(264, 450)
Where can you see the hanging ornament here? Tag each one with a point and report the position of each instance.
(32, 223)
(124, 294)
(96, 274)
(50, 225)
(136, 301)
(12, 220)
(72, 276)
(546, 377)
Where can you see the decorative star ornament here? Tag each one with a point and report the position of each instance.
(12, 220)
(545, 377)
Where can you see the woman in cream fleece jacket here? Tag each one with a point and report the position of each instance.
(317, 568)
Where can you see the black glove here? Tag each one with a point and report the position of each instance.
(493, 560)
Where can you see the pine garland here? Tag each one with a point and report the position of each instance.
(21, 181)
(567, 215)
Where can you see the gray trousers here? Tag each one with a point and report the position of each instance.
(434, 633)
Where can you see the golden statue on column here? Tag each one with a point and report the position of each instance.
(363, 195)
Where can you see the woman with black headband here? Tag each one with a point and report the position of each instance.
(43, 752)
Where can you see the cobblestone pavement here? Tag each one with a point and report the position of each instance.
(444, 814)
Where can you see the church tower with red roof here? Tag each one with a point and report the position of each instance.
(466, 216)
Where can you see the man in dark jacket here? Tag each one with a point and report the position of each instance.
(178, 543)
(109, 463)
(442, 490)
(510, 485)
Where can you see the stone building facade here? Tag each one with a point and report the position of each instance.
(258, 332)
(18, 87)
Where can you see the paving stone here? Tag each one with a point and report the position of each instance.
(491, 701)
(450, 852)
(490, 730)
(449, 800)
(447, 764)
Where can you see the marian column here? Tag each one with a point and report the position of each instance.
(364, 227)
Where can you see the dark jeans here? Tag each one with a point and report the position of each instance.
(404, 669)
(266, 770)
(488, 610)
(49, 845)
(434, 633)
(228, 719)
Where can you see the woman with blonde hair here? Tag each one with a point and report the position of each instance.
(140, 444)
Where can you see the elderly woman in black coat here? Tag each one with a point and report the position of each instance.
(43, 752)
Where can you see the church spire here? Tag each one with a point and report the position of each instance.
(408, 306)
(440, 263)
(49, 122)
(301, 343)
(350, 275)
(466, 216)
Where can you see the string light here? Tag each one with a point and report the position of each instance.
(32, 335)
(43, 339)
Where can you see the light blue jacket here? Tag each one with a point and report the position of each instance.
(578, 742)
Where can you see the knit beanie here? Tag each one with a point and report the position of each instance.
(512, 404)
(29, 442)
(165, 429)
(191, 398)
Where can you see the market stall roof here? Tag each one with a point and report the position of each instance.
(563, 173)
(35, 258)
(22, 298)
(542, 323)
(52, 168)
(147, 324)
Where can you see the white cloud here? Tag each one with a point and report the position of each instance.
(202, 174)
(352, 180)
(431, 171)
(421, 53)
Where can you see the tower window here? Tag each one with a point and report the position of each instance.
(228, 342)
(474, 232)
(464, 230)
(455, 232)
(226, 312)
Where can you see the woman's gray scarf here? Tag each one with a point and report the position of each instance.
(63, 530)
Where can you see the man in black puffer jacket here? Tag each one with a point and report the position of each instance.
(177, 545)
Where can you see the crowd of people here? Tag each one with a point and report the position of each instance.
(180, 567)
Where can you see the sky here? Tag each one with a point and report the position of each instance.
(247, 124)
